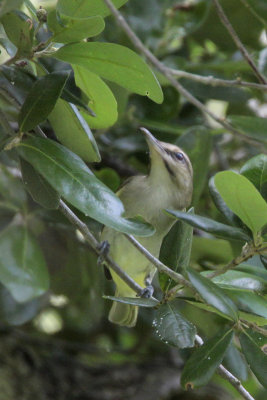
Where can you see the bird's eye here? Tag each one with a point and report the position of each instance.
(179, 156)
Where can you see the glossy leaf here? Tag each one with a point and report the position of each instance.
(115, 63)
(248, 301)
(38, 187)
(22, 266)
(85, 8)
(41, 100)
(73, 180)
(209, 225)
(254, 127)
(242, 198)
(136, 301)
(172, 327)
(213, 294)
(239, 279)
(74, 30)
(73, 132)
(9, 5)
(101, 99)
(255, 170)
(254, 347)
(204, 361)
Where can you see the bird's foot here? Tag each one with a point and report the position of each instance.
(103, 249)
(147, 292)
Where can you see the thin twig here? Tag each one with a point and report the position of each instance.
(229, 376)
(225, 21)
(165, 71)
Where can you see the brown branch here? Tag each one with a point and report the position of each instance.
(225, 21)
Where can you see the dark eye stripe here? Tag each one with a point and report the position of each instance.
(173, 154)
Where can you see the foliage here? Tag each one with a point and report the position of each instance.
(73, 93)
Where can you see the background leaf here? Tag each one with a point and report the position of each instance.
(255, 170)
(83, 8)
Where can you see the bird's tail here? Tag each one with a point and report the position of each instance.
(123, 314)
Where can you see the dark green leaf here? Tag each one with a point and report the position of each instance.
(204, 361)
(9, 5)
(73, 180)
(22, 266)
(248, 301)
(115, 63)
(85, 8)
(136, 301)
(254, 347)
(208, 225)
(255, 170)
(41, 100)
(74, 30)
(172, 327)
(38, 187)
(213, 294)
(235, 362)
(11, 188)
(19, 31)
(242, 198)
(73, 132)
(254, 127)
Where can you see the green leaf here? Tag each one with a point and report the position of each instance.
(172, 327)
(73, 132)
(204, 361)
(256, 319)
(211, 250)
(242, 198)
(41, 100)
(9, 5)
(136, 301)
(176, 249)
(22, 266)
(115, 63)
(38, 187)
(238, 279)
(74, 181)
(197, 143)
(213, 294)
(255, 170)
(254, 347)
(235, 362)
(11, 189)
(109, 177)
(253, 270)
(254, 127)
(74, 30)
(248, 301)
(101, 99)
(85, 8)
(19, 32)
(208, 225)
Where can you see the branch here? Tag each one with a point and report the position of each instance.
(165, 71)
(227, 375)
(225, 21)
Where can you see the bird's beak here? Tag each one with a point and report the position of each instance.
(152, 142)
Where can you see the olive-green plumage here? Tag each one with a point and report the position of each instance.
(168, 185)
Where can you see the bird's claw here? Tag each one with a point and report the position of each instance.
(147, 292)
(103, 249)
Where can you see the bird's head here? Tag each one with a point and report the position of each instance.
(170, 168)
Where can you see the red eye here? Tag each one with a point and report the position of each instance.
(179, 156)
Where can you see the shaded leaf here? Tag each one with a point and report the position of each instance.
(255, 170)
(19, 31)
(22, 266)
(204, 361)
(41, 99)
(85, 8)
(235, 362)
(208, 225)
(172, 327)
(248, 301)
(254, 127)
(9, 5)
(74, 181)
(136, 301)
(115, 63)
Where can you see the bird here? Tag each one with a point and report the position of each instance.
(168, 184)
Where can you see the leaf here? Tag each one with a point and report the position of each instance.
(136, 301)
(197, 143)
(204, 361)
(38, 187)
(74, 29)
(242, 198)
(9, 5)
(11, 188)
(115, 63)
(211, 250)
(254, 127)
(22, 266)
(208, 225)
(255, 170)
(73, 132)
(85, 8)
(101, 99)
(74, 181)
(254, 347)
(235, 362)
(19, 32)
(248, 301)
(172, 328)
(238, 279)
(212, 294)
(41, 100)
